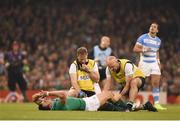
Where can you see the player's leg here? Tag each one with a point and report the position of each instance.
(147, 106)
(104, 96)
(23, 86)
(94, 102)
(97, 88)
(134, 85)
(155, 80)
(11, 83)
(72, 92)
(102, 73)
(12, 87)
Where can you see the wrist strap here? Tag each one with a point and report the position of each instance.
(158, 61)
(47, 93)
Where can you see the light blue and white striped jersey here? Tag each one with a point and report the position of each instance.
(154, 43)
(101, 54)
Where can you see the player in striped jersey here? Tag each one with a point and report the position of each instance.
(148, 46)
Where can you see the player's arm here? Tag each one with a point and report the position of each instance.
(73, 77)
(158, 57)
(60, 94)
(108, 80)
(6, 60)
(128, 77)
(24, 56)
(138, 48)
(93, 74)
(35, 97)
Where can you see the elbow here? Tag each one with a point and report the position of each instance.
(34, 98)
(96, 79)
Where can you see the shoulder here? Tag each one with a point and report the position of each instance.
(143, 35)
(96, 47)
(92, 62)
(124, 60)
(158, 39)
(109, 49)
(74, 62)
(73, 65)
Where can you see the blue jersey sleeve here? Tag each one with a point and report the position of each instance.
(140, 39)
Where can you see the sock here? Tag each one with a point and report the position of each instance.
(156, 95)
(129, 105)
(107, 107)
(121, 105)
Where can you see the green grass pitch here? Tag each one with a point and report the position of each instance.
(29, 111)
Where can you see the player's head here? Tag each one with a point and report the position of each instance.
(154, 28)
(44, 104)
(82, 55)
(105, 42)
(112, 63)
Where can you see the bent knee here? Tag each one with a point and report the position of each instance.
(72, 93)
(135, 83)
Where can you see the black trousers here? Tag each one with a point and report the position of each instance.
(102, 73)
(18, 78)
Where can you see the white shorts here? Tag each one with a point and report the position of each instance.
(92, 103)
(149, 68)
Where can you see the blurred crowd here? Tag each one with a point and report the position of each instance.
(51, 31)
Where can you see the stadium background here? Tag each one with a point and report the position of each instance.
(51, 30)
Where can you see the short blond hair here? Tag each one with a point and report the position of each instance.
(82, 51)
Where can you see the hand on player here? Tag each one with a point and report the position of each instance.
(116, 97)
(44, 93)
(63, 98)
(146, 49)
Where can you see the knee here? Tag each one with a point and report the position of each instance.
(155, 83)
(107, 94)
(133, 84)
(72, 93)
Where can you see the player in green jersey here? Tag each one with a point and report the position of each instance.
(62, 102)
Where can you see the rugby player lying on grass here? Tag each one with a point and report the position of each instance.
(93, 103)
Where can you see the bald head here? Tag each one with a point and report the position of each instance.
(105, 42)
(112, 63)
(110, 60)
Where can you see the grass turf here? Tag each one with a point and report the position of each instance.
(29, 111)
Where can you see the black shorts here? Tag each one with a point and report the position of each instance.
(89, 93)
(143, 83)
(102, 73)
